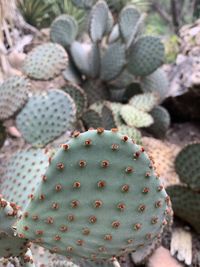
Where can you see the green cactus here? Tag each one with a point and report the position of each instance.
(186, 204)
(156, 82)
(187, 165)
(85, 4)
(86, 58)
(22, 175)
(113, 61)
(13, 95)
(135, 117)
(10, 245)
(99, 19)
(70, 74)
(145, 56)
(161, 123)
(96, 91)
(131, 132)
(79, 97)
(46, 117)
(45, 61)
(108, 120)
(64, 30)
(128, 21)
(91, 118)
(105, 200)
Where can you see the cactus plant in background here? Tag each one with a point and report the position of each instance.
(186, 197)
(46, 117)
(116, 176)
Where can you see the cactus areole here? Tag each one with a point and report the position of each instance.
(99, 198)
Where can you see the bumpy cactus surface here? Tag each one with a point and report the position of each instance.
(99, 198)
(13, 95)
(45, 61)
(23, 175)
(46, 117)
(188, 165)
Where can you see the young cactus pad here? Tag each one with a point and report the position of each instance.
(100, 198)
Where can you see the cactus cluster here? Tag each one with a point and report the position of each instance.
(186, 197)
(96, 172)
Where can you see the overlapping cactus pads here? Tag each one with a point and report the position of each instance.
(99, 198)
(23, 175)
(13, 95)
(45, 61)
(46, 117)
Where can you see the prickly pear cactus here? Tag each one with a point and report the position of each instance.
(144, 102)
(13, 95)
(145, 56)
(105, 200)
(46, 117)
(64, 30)
(135, 117)
(156, 82)
(187, 165)
(10, 245)
(92, 118)
(45, 61)
(185, 204)
(23, 175)
(161, 123)
(79, 97)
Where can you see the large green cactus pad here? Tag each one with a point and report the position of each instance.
(46, 117)
(64, 30)
(135, 117)
(101, 198)
(22, 175)
(186, 204)
(145, 56)
(187, 165)
(113, 61)
(45, 61)
(13, 95)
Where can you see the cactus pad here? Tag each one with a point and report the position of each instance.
(86, 57)
(188, 165)
(113, 61)
(83, 3)
(128, 20)
(145, 102)
(102, 198)
(134, 117)
(145, 56)
(13, 95)
(108, 120)
(91, 118)
(161, 123)
(46, 117)
(186, 204)
(22, 175)
(78, 96)
(45, 61)
(64, 30)
(156, 82)
(10, 245)
(98, 24)
(96, 91)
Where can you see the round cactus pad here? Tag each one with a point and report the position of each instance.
(46, 117)
(45, 61)
(100, 198)
(13, 95)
